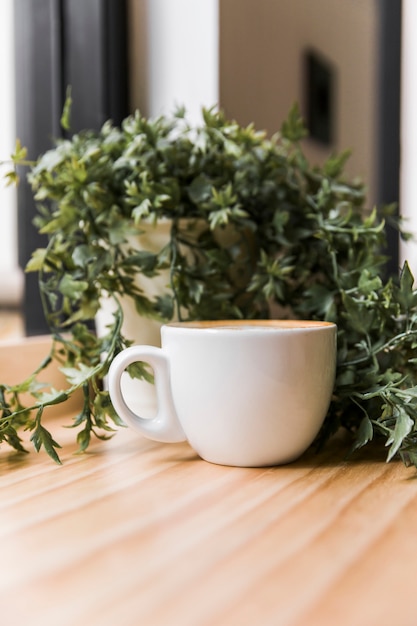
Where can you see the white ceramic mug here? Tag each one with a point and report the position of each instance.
(243, 393)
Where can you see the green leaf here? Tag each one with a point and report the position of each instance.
(83, 439)
(79, 375)
(335, 164)
(165, 306)
(219, 218)
(71, 287)
(293, 127)
(364, 433)
(403, 426)
(11, 178)
(83, 255)
(66, 113)
(407, 296)
(51, 397)
(200, 190)
(42, 437)
(20, 152)
(142, 211)
(37, 260)
(102, 406)
(10, 435)
(145, 262)
(141, 371)
(368, 283)
(359, 317)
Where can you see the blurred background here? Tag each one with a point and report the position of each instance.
(346, 62)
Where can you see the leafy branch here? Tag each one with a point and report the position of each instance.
(96, 410)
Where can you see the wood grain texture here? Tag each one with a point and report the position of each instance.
(137, 532)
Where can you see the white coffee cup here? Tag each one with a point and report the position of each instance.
(243, 393)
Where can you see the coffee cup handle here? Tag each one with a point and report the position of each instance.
(165, 426)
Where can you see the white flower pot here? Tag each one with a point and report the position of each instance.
(140, 395)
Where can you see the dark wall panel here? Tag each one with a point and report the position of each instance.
(61, 43)
(38, 101)
(388, 149)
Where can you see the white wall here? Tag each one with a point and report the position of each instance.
(408, 190)
(261, 68)
(10, 276)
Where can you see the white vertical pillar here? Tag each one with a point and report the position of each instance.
(10, 275)
(408, 176)
(183, 56)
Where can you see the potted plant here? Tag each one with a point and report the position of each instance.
(254, 230)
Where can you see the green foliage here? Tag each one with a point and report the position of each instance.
(254, 226)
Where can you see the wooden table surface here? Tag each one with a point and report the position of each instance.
(137, 532)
